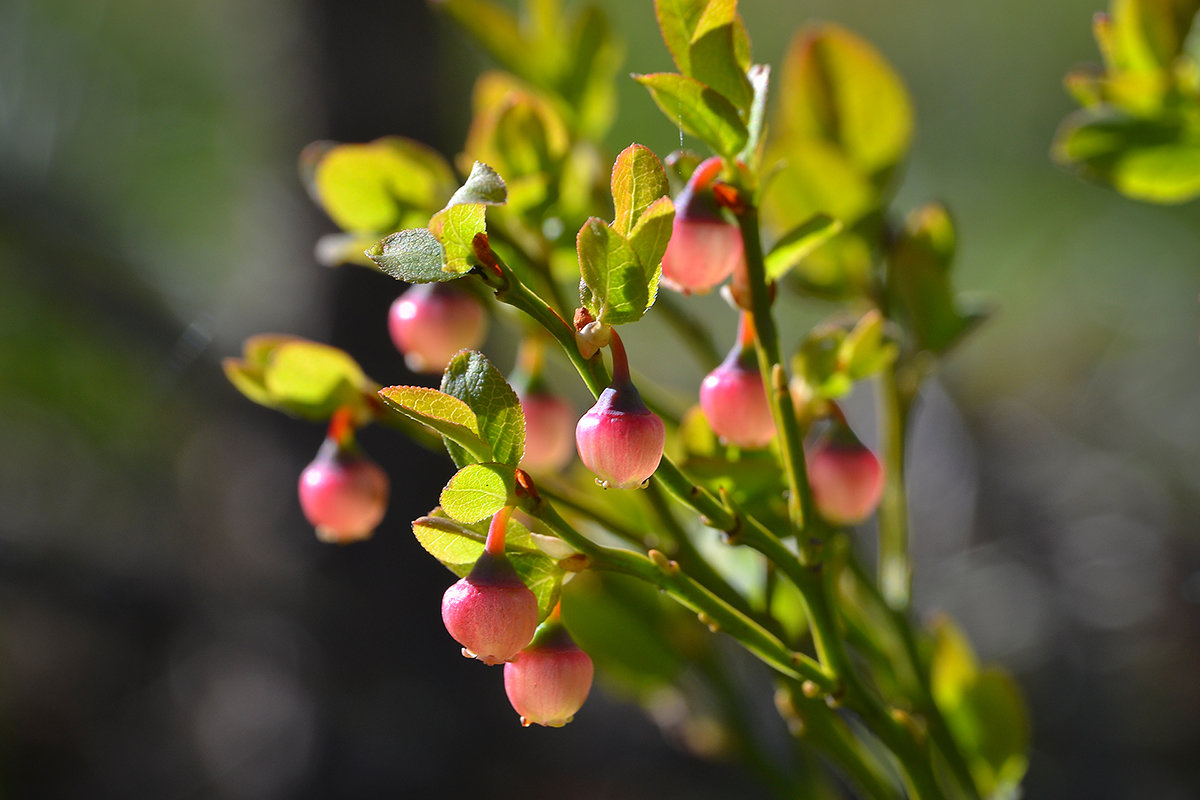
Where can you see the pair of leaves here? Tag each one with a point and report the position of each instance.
(445, 250)
(918, 281)
(620, 263)
(458, 545)
(834, 356)
(713, 94)
(985, 711)
(378, 186)
(476, 411)
(302, 378)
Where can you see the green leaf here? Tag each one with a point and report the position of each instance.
(650, 235)
(477, 491)
(447, 415)
(367, 188)
(985, 710)
(457, 226)
(867, 349)
(298, 377)
(589, 85)
(699, 110)
(458, 546)
(713, 56)
(483, 186)
(756, 124)
(614, 285)
(414, 255)
(918, 281)
(1146, 35)
(638, 180)
(471, 378)
(1156, 160)
(677, 19)
(836, 88)
(799, 243)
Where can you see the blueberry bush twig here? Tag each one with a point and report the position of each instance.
(669, 531)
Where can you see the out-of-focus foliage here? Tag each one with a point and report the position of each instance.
(1139, 128)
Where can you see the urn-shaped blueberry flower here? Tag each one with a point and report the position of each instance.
(733, 397)
(430, 322)
(619, 439)
(491, 612)
(705, 247)
(845, 476)
(548, 682)
(343, 494)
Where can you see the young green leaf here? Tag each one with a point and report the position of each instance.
(298, 377)
(614, 285)
(650, 235)
(918, 281)
(413, 255)
(483, 186)
(837, 88)
(1154, 160)
(471, 378)
(677, 19)
(371, 187)
(457, 226)
(799, 242)
(638, 180)
(447, 415)
(713, 56)
(699, 110)
(477, 491)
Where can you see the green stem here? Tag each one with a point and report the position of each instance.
(791, 445)
(693, 562)
(565, 496)
(895, 567)
(509, 289)
(687, 592)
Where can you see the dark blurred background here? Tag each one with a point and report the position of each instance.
(169, 626)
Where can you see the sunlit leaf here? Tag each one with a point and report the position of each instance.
(447, 415)
(483, 185)
(835, 87)
(477, 491)
(699, 110)
(638, 180)
(472, 379)
(800, 242)
(614, 286)
(413, 255)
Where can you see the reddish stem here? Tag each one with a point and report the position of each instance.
(745, 332)
(497, 530)
(620, 361)
(341, 427)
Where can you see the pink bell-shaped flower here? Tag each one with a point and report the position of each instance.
(548, 682)
(619, 439)
(549, 419)
(846, 477)
(430, 322)
(733, 397)
(705, 247)
(343, 493)
(491, 612)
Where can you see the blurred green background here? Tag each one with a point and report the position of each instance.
(169, 627)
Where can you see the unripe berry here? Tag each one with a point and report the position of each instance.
(548, 421)
(430, 322)
(734, 399)
(619, 439)
(846, 478)
(704, 248)
(548, 682)
(343, 494)
(491, 612)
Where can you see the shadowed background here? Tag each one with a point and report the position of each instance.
(169, 627)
